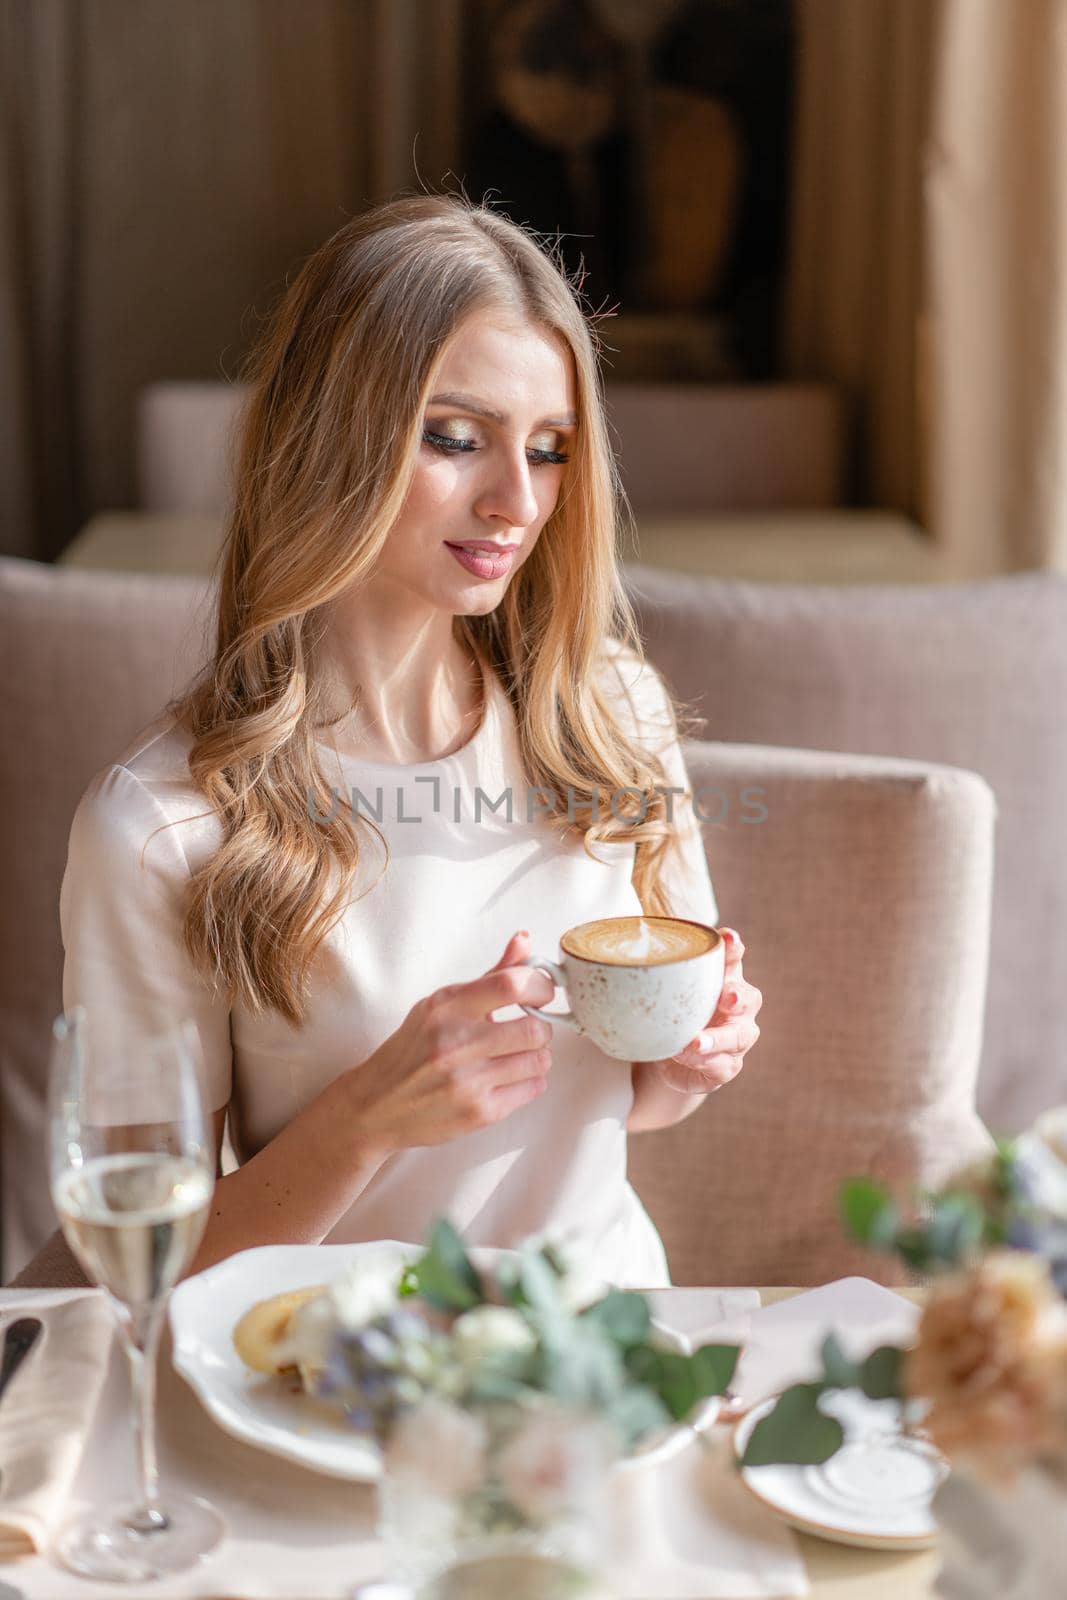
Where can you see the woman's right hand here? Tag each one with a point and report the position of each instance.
(449, 1069)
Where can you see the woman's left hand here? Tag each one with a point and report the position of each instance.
(718, 1052)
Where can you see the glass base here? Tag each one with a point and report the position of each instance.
(112, 1545)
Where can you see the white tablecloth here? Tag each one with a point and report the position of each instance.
(297, 1533)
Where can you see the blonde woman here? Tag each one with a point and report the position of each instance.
(418, 601)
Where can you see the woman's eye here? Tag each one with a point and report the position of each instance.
(441, 441)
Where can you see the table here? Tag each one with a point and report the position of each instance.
(189, 1439)
(833, 546)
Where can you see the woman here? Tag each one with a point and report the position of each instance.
(418, 602)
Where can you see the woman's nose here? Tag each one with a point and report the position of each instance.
(509, 493)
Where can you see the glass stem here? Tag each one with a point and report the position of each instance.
(140, 1330)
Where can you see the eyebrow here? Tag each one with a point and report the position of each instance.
(469, 403)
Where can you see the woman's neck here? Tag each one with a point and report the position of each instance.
(411, 709)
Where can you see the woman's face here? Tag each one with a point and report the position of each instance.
(497, 432)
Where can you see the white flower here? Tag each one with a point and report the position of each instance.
(581, 1284)
(554, 1462)
(439, 1447)
(1041, 1160)
(491, 1330)
(365, 1291)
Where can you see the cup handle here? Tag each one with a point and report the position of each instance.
(556, 974)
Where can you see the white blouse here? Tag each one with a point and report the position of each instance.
(453, 892)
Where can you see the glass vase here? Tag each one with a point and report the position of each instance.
(509, 1500)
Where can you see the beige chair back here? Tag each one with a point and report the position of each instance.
(861, 886)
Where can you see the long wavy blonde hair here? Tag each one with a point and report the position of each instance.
(325, 452)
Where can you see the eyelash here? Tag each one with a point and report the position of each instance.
(452, 447)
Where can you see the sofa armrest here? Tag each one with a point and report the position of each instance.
(861, 886)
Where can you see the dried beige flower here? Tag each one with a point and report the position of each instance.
(991, 1360)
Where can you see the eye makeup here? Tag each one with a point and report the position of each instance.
(449, 446)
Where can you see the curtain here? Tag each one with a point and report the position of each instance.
(39, 120)
(996, 312)
(856, 241)
(928, 271)
(164, 168)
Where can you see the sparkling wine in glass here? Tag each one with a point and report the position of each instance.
(132, 1174)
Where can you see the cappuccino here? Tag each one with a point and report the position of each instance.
(637, 941)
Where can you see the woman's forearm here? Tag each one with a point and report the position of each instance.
(656, 1104)
(293, 1192)
(299, 1186)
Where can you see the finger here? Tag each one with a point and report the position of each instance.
(729, 1040)
(512, 1097)
(505, 986)
(506, 1071)
(735, 949)
(738, 998)
(703, 1079)
(517, 947)
(709, 1076)
(489, 1040)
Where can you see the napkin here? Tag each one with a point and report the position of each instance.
(705, 1316)
(46, 1412)
(695, 1533)
(783, 1340)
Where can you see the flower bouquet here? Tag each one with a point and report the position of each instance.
(986, 1379)
(502, 1400)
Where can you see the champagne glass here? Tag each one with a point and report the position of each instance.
(132, 1172)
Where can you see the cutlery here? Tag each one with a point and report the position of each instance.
(19, 1340)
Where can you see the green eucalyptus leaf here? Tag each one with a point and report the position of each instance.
(955, 1229)
(868, 1212)
(637, 1412)
(713, 1367)
(838, 1371)
(581, 1366)
(553, 1260)
(675, 1381)
(540, 1285)
(509, 1282)
(794, 1431)
(624, 1317)
(881, 1376)
(643, 1364)
(445, 1276)
(913, 1248)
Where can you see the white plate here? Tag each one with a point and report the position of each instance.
(276, 1415)
(876, 1492)
(264, 1411)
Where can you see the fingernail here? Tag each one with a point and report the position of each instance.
(707, 1044)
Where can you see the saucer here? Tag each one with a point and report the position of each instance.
(876, 1492)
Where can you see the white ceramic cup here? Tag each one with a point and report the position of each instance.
(637, 1007)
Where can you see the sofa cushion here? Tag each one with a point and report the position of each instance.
(89, 658)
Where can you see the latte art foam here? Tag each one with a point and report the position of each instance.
(637, 941)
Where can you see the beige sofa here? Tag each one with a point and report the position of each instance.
(862, 885)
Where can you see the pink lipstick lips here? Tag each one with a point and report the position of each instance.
(490, 562)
